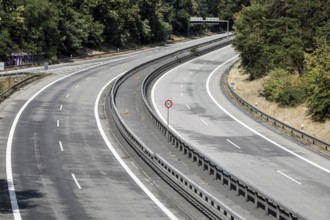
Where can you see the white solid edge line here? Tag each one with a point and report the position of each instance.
(76, 181)
(233, 144)
(289, 177)
(9, 169)
(120, 160)
(251, 129)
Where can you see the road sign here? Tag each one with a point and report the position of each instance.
(2, 66)
(46, 66)
(168, 103)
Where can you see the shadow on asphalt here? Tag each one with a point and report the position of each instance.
(23, 198)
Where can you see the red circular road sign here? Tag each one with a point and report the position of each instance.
(168, 103)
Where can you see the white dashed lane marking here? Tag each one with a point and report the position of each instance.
(203, 121)
(234, 144)
(76, 181)
(289, 177)
(61, 146)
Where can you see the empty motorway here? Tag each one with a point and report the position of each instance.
(54, 158)
(275, 165)
(66, 164)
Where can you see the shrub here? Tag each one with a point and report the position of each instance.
(283, 88)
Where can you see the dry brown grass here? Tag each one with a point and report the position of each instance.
(7, 82)
(295, 117)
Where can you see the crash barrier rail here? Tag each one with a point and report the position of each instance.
(7, 92)
(205, 202)
(291, 130)
(14, 74)
(261, 200)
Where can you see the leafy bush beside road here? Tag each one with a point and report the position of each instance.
(289, 42)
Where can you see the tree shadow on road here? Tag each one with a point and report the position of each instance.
(24, 198)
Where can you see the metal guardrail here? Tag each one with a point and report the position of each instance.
(292, 131)
(7, 92)
(5, 74)
(261, 200)
(205, 202)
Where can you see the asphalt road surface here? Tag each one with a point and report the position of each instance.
(61, 166)
(275, 165)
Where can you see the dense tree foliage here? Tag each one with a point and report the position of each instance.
(317, 80)
(63, 27)
(289, 41)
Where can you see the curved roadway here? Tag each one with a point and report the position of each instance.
(61, 166)
(275, 165)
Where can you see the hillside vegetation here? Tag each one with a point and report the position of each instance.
(249, 90)
(63, 27)
(289, 42)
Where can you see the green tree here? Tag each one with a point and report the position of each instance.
(41, 27)
(12, 28)
(73, 30)
(318, 82)
(249, 23)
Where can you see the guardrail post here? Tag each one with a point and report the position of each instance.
(218, 175)
(278, 213)
(200, 162)
(266, 206)
(180, 146)
(229, 183)
(223, 179)
(246, 194)
(194, 157)
(256, 199)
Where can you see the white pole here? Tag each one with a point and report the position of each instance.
(168, 123)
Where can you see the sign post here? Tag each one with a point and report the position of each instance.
(2, 66)
(46, 66)
(168, 105)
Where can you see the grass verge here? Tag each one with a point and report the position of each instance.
(16, 82)
(295, 117)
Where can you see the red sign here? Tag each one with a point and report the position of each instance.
(168, 103)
